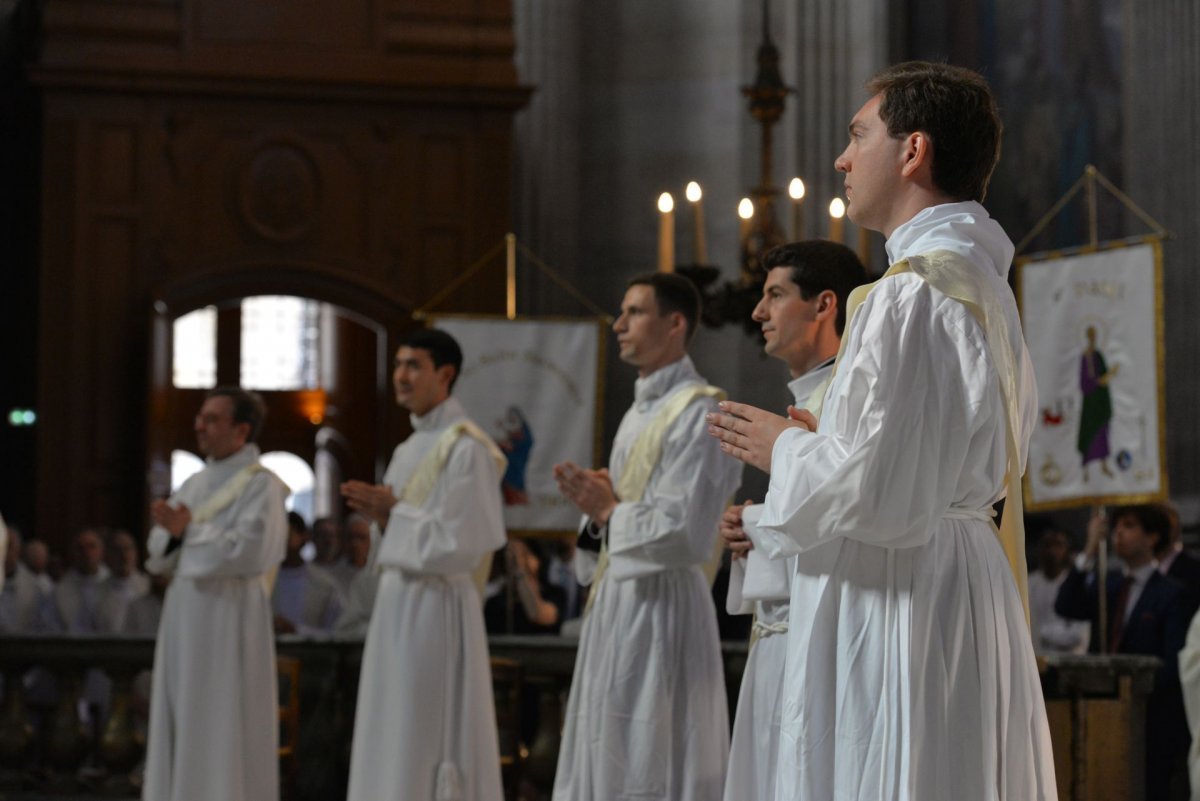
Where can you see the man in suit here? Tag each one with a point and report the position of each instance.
(1177, 563)
(1148, 613)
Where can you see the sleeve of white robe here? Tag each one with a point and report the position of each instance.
(244, 540)
(917, 394)
(1189, 678)
(675, 521)
(756, 577)
(459, 522)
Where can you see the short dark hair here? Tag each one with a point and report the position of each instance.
(1153, 519)
(673, 293)
(955, 108)
(819, 265)
(296, 522)
(248, 407)
(442, 348)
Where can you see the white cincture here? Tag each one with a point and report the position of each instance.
(762, 630)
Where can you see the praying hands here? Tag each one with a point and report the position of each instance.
(375, 501)
(748, 433)
(590, 490)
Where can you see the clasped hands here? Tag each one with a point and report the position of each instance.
(374, 501)
(590, 490)
(748, 433)
(174, 519)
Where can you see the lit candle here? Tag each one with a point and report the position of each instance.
(864, 247)
(666, 233)
(746, 212)
(837, 210)
(796, 193)
(695, 196)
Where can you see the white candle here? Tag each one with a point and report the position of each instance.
(696, 198)
(796, 193)
(837, 210)
(746, 213)
(666, 233)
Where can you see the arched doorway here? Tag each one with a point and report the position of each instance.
(321, 368)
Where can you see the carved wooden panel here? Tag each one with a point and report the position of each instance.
(195, 152)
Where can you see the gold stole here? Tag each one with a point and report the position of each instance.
(420, 484)
(643, 458)
(954, 277)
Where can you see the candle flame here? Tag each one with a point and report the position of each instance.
(693, 192)
(666, 203)
(837, 208)
(746, 208)
(796, 189)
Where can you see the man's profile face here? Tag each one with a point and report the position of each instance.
(642, 332)
(419, 385)
(789, 322)
(871, 164)
(217, 435)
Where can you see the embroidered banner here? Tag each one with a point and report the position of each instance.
(533, 385)
(1093, 322)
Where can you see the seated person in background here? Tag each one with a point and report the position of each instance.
(519, 599)
(306, 599)
(36, 557)
(22, 598)
(125, 585)
(75, 604)
(1052, 633)
(326, 539)
(354, 549)
(1148, 613)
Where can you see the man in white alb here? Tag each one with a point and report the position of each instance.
(646, 716)
(910, 670)
(214, 726)
(425, 727)
(802, 314)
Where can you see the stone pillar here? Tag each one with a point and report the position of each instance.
(1163, 168)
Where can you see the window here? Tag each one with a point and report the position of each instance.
(298, 475)
(281, 338)
(194, 362)
(184, 464)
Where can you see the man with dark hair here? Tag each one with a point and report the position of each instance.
(802, 313)
(1053, 633)
(646, 716)
(443, 350)
(1148, 613)
(426, 724)
(214, 726)
(910, 667)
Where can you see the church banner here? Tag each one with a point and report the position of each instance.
(1094, 325)
(534, 385)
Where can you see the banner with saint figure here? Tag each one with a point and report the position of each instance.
(1093, 323)
(534, 386)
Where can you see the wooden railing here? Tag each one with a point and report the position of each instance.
(1096, 707)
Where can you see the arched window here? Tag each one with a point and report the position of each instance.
(194, 362)
(298, 475)
(184, 464)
